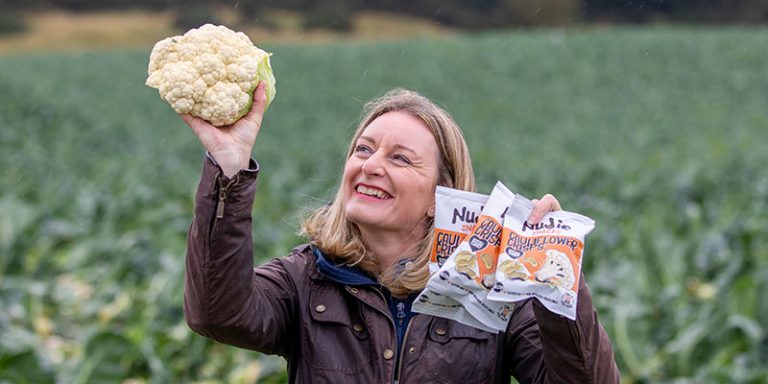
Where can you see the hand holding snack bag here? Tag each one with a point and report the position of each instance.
(469, 273)
(541, 260)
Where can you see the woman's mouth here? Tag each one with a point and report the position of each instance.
(372, 192)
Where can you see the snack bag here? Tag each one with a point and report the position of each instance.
(456, 212)
(542, 260)
(469, 273)
(433, 303)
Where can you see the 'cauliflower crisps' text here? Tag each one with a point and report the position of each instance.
(210, 72)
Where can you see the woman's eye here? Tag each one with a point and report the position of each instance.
(363, 149)
(403, 159)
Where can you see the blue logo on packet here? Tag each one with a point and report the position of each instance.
(513, 253)
(477, 243)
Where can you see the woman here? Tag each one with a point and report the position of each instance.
(338, 309)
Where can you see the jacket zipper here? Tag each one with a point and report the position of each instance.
(401, 353)
(214, 224)
(394, 328)
(223, 191)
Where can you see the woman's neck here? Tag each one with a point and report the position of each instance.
(389, 247)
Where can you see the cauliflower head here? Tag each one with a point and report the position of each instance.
(210, 72)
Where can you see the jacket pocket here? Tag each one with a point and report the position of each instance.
(336, 338)
(456, 353)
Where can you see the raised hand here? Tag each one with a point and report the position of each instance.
(542, 206)
(231, 145)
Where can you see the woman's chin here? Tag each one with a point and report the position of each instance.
(364, 219)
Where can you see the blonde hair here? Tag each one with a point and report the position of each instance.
(328, 227)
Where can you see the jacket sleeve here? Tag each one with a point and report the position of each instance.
(544, 347)
(225, 298)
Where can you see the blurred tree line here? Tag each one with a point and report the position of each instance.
(468, 14)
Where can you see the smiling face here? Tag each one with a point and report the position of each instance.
(389, 180)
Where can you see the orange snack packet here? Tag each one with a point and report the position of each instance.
(542, 260)
(469, 273)
(456, 213)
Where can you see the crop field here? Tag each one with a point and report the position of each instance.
(658, 134)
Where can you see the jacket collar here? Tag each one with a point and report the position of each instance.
(340, 273)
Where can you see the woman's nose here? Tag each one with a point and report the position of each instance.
(372, 166)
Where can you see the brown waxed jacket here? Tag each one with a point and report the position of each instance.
(331, 333)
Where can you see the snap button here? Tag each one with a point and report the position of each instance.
(358, 327)
(388, 354)
(353, 290)
(321, 308)
(441, 331)
(411, 350)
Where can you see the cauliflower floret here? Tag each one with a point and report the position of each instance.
(211, 68)
(180, 85)
(220, 101)
(210, 72)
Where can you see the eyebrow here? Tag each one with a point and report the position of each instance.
(396, 146)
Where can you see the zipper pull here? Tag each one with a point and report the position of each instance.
(400, 313)
(220, 204)
(223, 190)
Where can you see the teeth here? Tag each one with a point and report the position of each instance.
(372, 192)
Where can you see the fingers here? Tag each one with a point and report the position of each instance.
(260, 93)
(200, 127)
(548, 203)
(238, 137)
(256, 113)
(187, 118)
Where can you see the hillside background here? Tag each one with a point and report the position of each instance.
(648, 116)
(27, 25)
